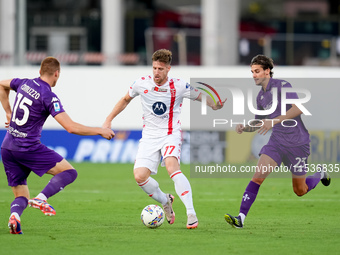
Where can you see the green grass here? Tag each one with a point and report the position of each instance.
(100, 214)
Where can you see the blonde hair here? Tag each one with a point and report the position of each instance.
(49, 65)
(162, 55)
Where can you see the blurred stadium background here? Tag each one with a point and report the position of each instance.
(104, 45)
(126, 32)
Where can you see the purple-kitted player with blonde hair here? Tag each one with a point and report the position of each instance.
(288, 144)
(21, 150)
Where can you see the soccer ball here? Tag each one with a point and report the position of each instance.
(152, 216)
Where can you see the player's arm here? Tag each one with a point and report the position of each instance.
(253, 126)
(75, 128)
(211, 102)
(292, 113)
(118, 108)
(5, 87)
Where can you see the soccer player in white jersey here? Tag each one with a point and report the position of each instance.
(161, 98)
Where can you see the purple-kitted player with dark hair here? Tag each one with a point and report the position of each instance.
(288, 144)
(22, 151)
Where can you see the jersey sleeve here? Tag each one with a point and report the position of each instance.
(289, 95)
(15, 83)
(53, 105)
(191, 92)
(133, 89)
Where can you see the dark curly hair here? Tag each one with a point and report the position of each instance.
(263, 61)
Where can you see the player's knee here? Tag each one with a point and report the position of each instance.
(73, 173)
(140, 178)
(300, 191)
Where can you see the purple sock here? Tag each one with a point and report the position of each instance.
(249, 197)
(18, 205)
(313, 180)
(59, 181)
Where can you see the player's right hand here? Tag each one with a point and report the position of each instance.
(8, 117)
(107, 133)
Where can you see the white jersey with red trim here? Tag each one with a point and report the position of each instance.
(162, 104)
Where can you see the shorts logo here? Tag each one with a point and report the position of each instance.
(159, 108)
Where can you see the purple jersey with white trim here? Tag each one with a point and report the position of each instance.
(34, 102)
(288, 136)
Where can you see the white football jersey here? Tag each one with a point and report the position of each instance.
(162, 104)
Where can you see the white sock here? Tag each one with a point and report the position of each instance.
(183, 190)
(16, 216)
(242, 217)
(151, 187)
(41, 196)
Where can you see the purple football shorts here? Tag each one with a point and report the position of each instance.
(295, 158)
(19, 164)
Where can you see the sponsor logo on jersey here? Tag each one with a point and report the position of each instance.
(158, 89)
(159, 108)
(146, 91)
(56, 107)
(54, 99)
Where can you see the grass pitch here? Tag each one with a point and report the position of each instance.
(100, 214)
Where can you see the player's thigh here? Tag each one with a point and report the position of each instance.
(60, 167)
(265, 166)
(148, 154)
(171, 152)
(16, 172)
(40, 160)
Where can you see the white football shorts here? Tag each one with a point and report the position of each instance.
(152, 150)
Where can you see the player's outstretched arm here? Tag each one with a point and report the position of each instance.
(4, 98)
(211, 102)
(254, 125)
(75, 128)
(118, 108)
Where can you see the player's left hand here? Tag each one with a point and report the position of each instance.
(218, 105)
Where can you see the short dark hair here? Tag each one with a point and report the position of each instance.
(162, 55)
(49, 65)
(263, 61)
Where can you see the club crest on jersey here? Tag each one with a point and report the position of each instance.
(159, 108)
(158, 89)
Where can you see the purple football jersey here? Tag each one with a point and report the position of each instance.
(34, 102)
(292, 133)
